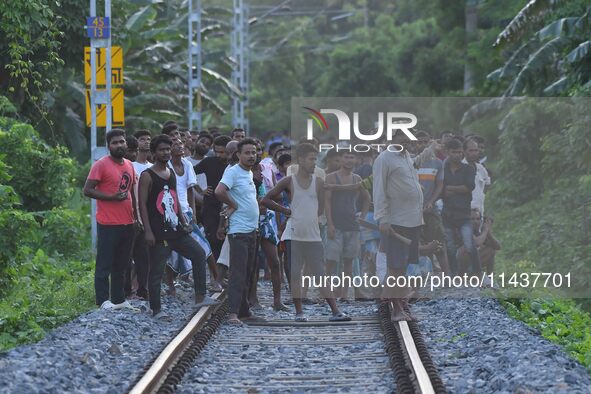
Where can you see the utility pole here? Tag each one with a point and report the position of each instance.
(194, 41)
(240, 53)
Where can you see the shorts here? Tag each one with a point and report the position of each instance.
(432, 230)
(399, 254)
(345, 245)
(304, 254)
(268, 227)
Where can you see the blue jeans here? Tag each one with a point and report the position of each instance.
(466, 233)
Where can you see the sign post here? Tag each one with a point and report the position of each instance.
(98, 29)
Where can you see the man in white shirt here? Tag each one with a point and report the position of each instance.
(140, 248)
(186, 180)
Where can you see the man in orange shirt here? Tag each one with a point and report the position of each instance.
(110, 182)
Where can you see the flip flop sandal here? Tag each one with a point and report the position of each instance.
(162, 316)
(341, 317)
(125, 305)
(235, 322)
(301, 319)
(282, 308)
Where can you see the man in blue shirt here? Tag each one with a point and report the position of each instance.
(237, 190)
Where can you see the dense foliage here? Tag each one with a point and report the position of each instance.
(45, 268)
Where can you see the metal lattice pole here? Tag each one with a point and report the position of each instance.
(239, 53)
(194, 84)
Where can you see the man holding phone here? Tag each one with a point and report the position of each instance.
(110, 182)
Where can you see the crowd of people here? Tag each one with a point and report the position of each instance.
(174, 205)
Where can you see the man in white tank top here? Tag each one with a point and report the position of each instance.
(302, 232)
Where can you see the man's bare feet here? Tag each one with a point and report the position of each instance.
(398, 315)
(233, 320)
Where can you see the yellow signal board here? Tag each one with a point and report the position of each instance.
(117, 113)
(101, 65)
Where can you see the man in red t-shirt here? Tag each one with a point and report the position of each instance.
(110, 182)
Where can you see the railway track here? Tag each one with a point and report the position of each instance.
(370, 353)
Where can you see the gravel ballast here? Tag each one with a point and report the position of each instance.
(478, 348)
(101, 351)
(294, 357)
(475, 345)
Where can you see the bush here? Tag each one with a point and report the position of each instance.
(66, 232)
(8, 197)
(45, 293)
(6, 107)
(36, 183)
(81, 174)
(44, 229)
(18, 230)
(41, 175)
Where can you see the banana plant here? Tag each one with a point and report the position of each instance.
(553, 60)
(532, 12)
(154, 40)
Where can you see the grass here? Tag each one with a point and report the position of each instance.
(560, 321)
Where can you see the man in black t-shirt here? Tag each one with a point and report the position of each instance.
(458, 183)
(165, 227)
(213, 168)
